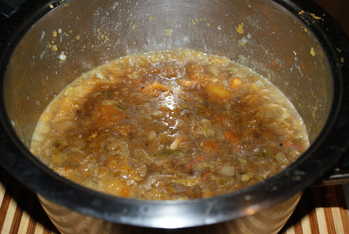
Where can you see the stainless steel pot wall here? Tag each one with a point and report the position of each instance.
(267, 221)
(82, 35)
(79, 35)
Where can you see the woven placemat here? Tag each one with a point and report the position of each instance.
(320, 211)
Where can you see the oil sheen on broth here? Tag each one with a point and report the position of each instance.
(169, 125)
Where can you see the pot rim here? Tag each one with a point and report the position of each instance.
(322, 155)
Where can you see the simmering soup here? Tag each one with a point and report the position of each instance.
(169, 125)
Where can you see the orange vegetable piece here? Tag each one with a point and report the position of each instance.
(196, 160)
(111, 163)
(106, 115)
(209, 146)
(169, 71)
(194, 71)
(155, 89)
(221, 118)
(290, 144)
(231, 137)
(199, 158)
(205, 176)
(124, 130)
(217, 92)
(235, 83)
(102, 171)
(115, 186)
(189, 84)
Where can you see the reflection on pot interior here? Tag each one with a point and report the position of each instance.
(169, 125)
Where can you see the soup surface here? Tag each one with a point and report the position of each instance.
(169, 125)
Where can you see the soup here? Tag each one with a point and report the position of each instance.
(169, 125)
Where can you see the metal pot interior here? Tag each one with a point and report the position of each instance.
(80, 35)
(273, 42)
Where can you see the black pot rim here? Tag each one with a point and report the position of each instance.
(319, 158)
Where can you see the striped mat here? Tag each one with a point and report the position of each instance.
(319, 212)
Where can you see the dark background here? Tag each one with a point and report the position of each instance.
(339, 9)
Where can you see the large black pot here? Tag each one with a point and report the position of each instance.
(310, 52)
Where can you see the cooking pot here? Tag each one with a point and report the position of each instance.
(294, 45)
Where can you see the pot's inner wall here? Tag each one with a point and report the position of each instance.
(258, 33)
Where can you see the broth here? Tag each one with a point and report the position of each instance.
(169, 125)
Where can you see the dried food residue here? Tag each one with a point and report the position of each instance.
(240, 28)
(313, 15)
(312, 51)
(168, 32)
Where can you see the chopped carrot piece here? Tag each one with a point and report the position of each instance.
(154, 71)
(220, 118)
(165, 109)
(293, 145)
(169, 71)
(205, 175)
(189, 165)
(231, 137)
(235, 83)
(207, 193)
(217, 92)
(111, 163)
(189, 84)
(155, 89)
(196, 160)
(102, 171)
(209, 146)
(124, 130)
(125, 191)
(194, 71)
(115, 186)
(106, 115)
(200, 158)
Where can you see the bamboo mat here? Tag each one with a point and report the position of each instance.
(319, 212)
(322, 210)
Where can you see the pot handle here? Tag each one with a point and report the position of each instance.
(9, 7)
